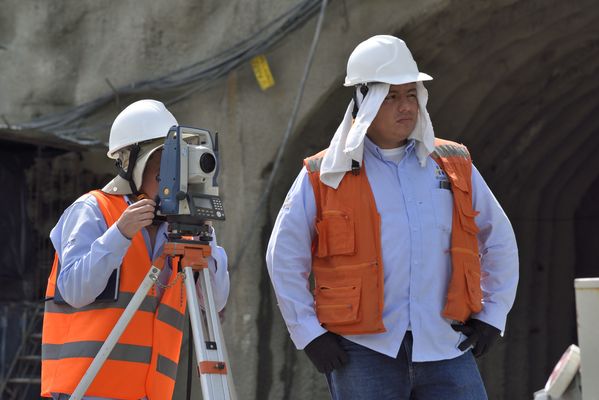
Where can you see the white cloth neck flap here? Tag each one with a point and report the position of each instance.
(348, 142)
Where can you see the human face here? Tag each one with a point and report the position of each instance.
(149, 183)
(396, 118)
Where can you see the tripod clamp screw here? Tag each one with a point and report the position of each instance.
(154, 272)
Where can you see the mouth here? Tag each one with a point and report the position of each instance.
(404, 119)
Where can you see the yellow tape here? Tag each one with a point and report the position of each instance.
(262, 72)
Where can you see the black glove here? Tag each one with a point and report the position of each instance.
(326, 353)
(480, 335)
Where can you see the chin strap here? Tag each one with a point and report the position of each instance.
(128, 175)
(355, 166)
(364, 90)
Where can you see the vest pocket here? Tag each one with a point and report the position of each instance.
(338, 303)
(336, 234)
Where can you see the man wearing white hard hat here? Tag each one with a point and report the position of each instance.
(415, 264)
(105, 243)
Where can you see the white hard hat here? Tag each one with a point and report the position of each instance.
(141, 121)
(384, 59)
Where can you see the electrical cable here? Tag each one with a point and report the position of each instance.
(192, 78)
(298, 98)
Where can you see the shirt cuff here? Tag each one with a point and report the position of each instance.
(303, 333)
(218, 255)
(114, 236)
(492, 316)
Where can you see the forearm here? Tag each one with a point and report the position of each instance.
(219, 275)
(499, 281)
(86, 267)
(219, 278)
(289, 276)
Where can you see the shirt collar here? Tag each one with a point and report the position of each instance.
(376, 150)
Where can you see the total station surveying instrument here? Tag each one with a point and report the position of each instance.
(188, 199)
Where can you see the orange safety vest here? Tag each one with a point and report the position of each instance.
(144, 361)
(347, 260)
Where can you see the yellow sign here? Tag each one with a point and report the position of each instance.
(262, 72)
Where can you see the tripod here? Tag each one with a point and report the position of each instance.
(211, 353)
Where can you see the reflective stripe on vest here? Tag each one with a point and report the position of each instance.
(166, 314)
(121, 352)
(349, 278)
(148, 349)
(149, 304)
(166, 367)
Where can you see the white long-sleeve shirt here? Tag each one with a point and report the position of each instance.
(416, 214)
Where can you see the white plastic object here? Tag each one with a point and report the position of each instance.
(385, 59)
(141, 121)
(587, 304)
(541, 395)
(564, 372)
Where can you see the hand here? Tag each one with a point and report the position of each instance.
(135, 217)
(480, 335)
(326, 353)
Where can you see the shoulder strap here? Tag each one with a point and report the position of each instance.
(111, 206)
(447, 148)
(314, 162)
(455, 160)
(312, 165)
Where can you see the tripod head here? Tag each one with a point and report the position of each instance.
(181, 227)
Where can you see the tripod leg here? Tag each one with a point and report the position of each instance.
(215, 374)
(216, 329)
(115, 334)
(197, 329)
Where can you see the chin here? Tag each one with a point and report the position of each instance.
(401, 137)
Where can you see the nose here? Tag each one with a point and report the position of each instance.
(403, 105)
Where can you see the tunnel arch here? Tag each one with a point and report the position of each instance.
(516, 83)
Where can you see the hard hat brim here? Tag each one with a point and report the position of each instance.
(395, 80)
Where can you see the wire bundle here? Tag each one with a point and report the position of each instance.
(187, 80)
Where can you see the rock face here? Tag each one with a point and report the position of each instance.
(514, 80)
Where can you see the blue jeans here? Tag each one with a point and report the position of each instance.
(372, 375)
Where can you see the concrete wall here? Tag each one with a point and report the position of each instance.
(513, 81)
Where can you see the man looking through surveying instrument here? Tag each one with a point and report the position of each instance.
(407, 275)
(105, 243)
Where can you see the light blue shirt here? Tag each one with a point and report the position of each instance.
(416, 215)
(89, 252)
